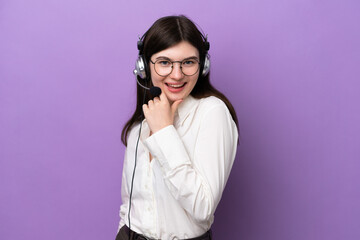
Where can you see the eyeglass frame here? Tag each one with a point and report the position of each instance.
(172, 65)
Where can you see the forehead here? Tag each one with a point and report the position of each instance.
(179, 51)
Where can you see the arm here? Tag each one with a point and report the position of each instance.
(197, 181)
(124, 195)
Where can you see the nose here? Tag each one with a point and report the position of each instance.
(176, 73)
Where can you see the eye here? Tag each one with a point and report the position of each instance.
(189, 62)
(164, 63)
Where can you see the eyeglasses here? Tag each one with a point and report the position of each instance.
(164, 67)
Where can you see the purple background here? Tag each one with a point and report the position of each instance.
(291, 69)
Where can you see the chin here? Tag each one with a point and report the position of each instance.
(172, 98)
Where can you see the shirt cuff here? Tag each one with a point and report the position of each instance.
(167, 147)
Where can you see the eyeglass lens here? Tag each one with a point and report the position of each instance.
(188, 67)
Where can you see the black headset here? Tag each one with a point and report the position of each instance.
(141, 66)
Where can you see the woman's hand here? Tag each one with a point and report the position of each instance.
(159, 113)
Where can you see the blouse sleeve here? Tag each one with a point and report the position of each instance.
(197, 181)
(124, 194)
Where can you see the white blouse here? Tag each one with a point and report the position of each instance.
(175, 195)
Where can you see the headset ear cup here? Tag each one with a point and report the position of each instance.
(140, 67)
(206, 66)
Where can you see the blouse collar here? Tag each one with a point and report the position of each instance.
(186, 107)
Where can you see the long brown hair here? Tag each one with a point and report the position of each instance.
(164, 33)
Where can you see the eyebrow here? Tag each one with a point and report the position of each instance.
(192, 57)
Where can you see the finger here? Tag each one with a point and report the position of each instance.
(163, 97)
(150, 103)
(145, 108)
(175, 106)
(156, 99)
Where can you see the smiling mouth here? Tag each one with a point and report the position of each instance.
(175, 85)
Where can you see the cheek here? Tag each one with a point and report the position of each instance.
(193, 82)
(156, 81)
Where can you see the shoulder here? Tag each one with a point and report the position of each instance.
(212, 100)
(133, 133)
(212, 110)
(212, 104)
(216, 116)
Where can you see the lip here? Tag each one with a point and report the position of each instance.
(175, 90)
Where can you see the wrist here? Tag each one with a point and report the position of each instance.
(160, 128)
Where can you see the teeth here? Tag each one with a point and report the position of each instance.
(176, 86)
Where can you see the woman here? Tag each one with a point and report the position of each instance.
(180, 145)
